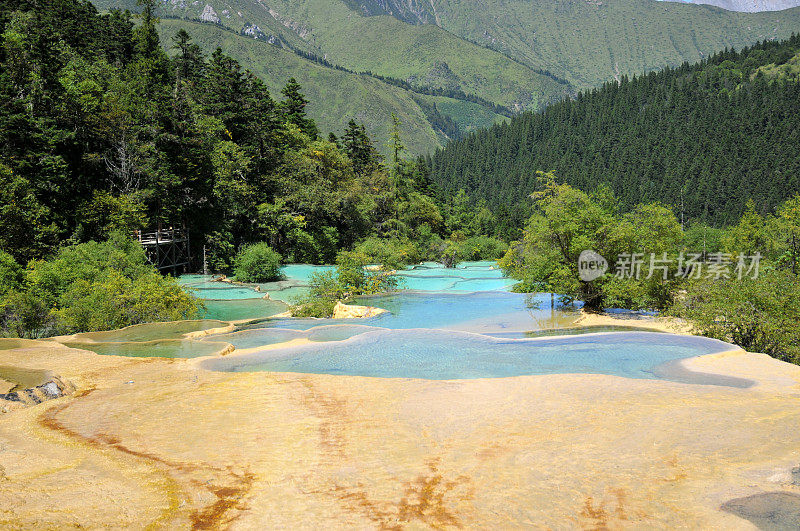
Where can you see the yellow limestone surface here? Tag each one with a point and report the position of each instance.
(163, 443)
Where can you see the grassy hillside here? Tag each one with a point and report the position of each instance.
(337, 96)
(590, 42)
(422, 55)
(586, 42)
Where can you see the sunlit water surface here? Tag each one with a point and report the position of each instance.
(445, 323)
(445, 355)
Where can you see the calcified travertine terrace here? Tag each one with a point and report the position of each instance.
(163, 443)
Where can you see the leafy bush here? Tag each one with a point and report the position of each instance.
(23, 314)
(88, 261)
(356, 278)
(450, 253)
(11, 273)
(257, 263)
(391, 253)
(114, 301)
(568, 221)
(636, 294)
(325, 292)
(93, 286)
(459, 248)
(482, 248)
(759, 315)
(352, 277)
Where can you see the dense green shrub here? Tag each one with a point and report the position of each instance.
(391, 253)
(89, 262)
(355, 275)
(92, 286)
(324, 293)
(759, 315)
(450, 253)
(482, 248)
(23, 314)
(11, 274)
(257, 262)
(357, 278)
(114, 301)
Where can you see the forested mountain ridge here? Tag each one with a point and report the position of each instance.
(703, 138)
(424, 56)
(336, 96)
(514, 54)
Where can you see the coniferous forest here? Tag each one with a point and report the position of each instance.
(702, 138)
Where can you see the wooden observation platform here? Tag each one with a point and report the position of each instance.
(166, 249)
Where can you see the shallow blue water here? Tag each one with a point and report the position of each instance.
(482, 312)
(443, 355)
(466, 277)
(303, 272)
(474, 312)
(338, 332)
(254, 338)
(457, 323)
(242, 309)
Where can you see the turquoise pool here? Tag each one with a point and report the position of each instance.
(481, 312)
(466, 277)
(456, 323)
(447, 355)
(230, 302)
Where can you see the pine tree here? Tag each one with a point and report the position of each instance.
(146, 33)
(359, 148)
(396, 144)
(189, 62)
(224, 93)
(294, 108)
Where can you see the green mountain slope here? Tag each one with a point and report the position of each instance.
(705, 139)
(425, 56)
(512, 53)
(586, 42)
(337, 96)
(589, 42)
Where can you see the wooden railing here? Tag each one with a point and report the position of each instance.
(160, 236)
